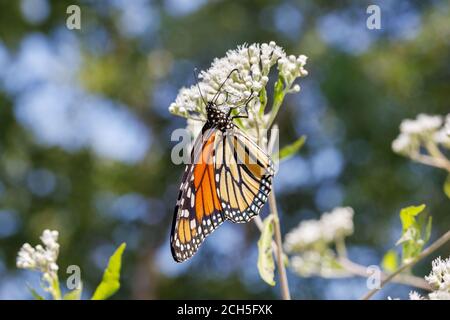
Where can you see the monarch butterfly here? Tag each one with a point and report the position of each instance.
(229, 177)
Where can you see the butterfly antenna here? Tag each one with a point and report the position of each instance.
(216, 96)
(198, 86)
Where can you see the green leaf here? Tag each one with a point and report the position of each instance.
(266, 264)
(111, 277)
(74, 294)
(390, 261)
(289, 150)
(34, 293)
(262, 100)
(278, 97)
(416, 231)
(407, 215)
(447, 186)
(278, 88)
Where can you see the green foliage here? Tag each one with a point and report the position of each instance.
(111, 277)
(262, 100)
(408, 216)
(34, 293)
(266, 264)
(279, 93)
(390, 261)
(416, 231)
(291, 149)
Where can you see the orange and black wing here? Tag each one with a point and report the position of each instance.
(198, 210)
(243, 175)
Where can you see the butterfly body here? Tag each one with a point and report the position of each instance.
(229, 177)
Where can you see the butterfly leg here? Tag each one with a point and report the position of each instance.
(245, 108)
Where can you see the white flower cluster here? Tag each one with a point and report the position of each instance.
(421, 130)
(439, 280)
(313, 263)
(338, 223)
(414, 295)
(332, 226)
(252, 64)
(41, 258)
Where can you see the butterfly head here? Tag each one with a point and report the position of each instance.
(218, 118)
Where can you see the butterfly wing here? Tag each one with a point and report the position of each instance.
(243, 175)
(198, 210)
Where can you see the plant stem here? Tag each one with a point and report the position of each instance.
(433, 150)
(433, 247)
(279, 255)
(280, 263)
(361, 271)
(55, 289)
(275, 108)
(441, 163)
(341, 248)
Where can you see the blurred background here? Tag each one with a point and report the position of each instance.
(85, 134)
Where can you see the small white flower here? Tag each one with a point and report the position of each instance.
(443, 136)
(305, 235)
(439, 295)
(292, 67)
(306, 264)
(338, 223)
(422, 124)
(50, 240)
(413, 295)
(429, 123)
(419, 131)
(41, 258)
(296, 88)
(25, 257)
(332, 226)
(439, 277)
(402, 144)
(409, 126)
(312, 263)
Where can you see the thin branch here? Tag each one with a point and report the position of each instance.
(278, 250)
(433, 247)
(281, 268)
(286, 294)
(341, 248)
(434, 150)
(275, 108)
(361, 271)
(441, 163)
